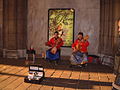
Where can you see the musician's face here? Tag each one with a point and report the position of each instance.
(119, 26)
(56, 35)
(80, 36)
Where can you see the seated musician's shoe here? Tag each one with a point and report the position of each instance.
(80, 66)
(75, 66)
(84, 65)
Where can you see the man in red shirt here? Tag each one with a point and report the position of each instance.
(54, 43)
(79, 55)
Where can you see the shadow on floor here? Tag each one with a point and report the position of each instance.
(68, 83)
(63, 65)
(74, 83)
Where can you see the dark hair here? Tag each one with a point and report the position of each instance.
(56, 32)
(80, 33)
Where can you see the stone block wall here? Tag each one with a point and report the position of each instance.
(87, 20)
(14, 32)
(1, 27)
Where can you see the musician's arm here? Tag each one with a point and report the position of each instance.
(49, 43)
(86, 40)
(86, 43)
(60, 44)
(74, 45)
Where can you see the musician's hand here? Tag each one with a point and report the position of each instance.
(74, 50)
(47, 44)
(82, 40)
(55, 47)
(86, 37)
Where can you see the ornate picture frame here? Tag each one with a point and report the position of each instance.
(62, 20)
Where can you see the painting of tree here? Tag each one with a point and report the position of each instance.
(61, 20)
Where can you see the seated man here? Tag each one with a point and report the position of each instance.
(55, 43)
(79, 55)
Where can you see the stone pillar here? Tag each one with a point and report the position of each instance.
(9, 33)
(116, 16)
(21, 27)
(14, 28)
(106, 27)
(116, 8)
(1, 27)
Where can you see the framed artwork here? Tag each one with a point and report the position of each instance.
(62, 20)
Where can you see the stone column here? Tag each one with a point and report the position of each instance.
(21, 27)
(9, 33)
(14, 28)
(116, 8)
(1, 26)
(116, 16)
(106, 27)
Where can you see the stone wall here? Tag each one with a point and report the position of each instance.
(87, 20)
(1, 26)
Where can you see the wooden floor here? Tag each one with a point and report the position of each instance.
(60, 77)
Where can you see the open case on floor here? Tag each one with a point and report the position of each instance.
(35, 74)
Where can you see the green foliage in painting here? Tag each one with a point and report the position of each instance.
(62, 21)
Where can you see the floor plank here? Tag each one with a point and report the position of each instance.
(10, 78)
(59, 77)
(18, 81)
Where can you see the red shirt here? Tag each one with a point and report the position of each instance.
(53, 42)
(83, 45)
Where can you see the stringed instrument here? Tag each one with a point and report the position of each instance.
(57, 42)
(54, 49)
(78, 46)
